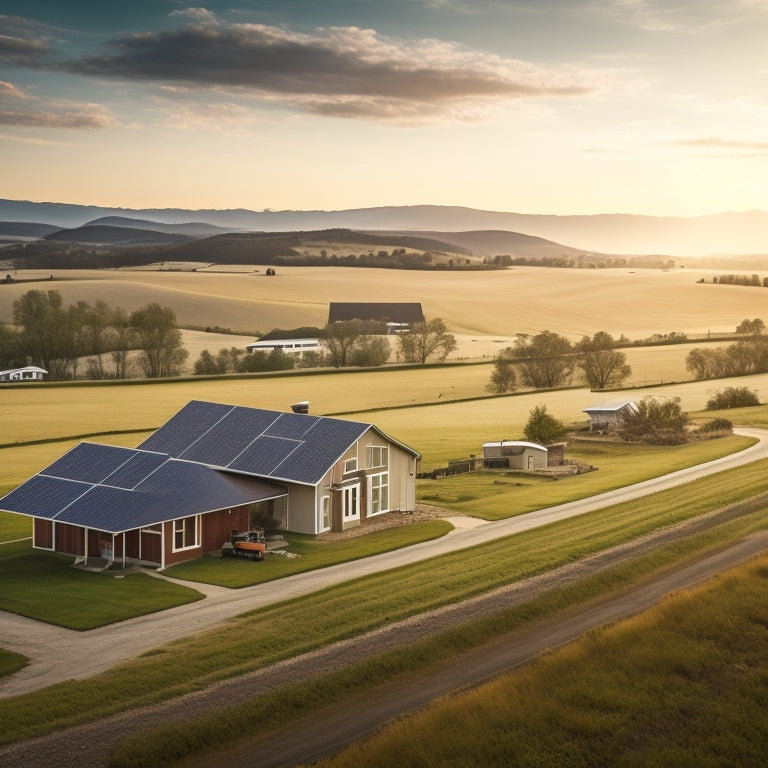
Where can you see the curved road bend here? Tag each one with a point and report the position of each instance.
(58, 654)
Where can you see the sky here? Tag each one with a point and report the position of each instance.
(562, 107)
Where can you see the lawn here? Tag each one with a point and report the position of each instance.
(312, 554)
(44, 586)
(492, 495)
(269, 633)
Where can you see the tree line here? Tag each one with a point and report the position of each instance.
(59, 339)
(346, 343)
(742, 358)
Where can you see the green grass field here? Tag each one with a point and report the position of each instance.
(268, 634)
(666, 688)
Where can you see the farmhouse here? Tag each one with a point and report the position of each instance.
(27, 373)
(199, 477)
(609, 414)
(397, 315)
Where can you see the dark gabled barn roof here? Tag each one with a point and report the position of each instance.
(116, 489)
(386, 312)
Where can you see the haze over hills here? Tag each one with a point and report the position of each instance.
(736, 233)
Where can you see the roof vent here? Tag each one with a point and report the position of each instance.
(302, 407)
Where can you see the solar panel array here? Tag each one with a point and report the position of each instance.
(282, 446)
(121, 489)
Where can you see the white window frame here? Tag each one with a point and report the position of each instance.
(350, 465)
(325, 513)
(378, 494)
(378, 456)
(350, 502)
(184, 532)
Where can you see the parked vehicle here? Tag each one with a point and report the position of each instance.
(249, 544)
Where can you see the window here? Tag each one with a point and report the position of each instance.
(377, 455)
(185, 533)
(350, 465)
(325, 522)
(379, 495)
(351, 501)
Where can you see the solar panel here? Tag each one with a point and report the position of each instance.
(89, 462)
(292, 425)
(229, 436)
(187, 426)
(263, 455)
(132, 472)
(43, 496)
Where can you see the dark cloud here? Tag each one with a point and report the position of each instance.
(21, 41)
(331, 69)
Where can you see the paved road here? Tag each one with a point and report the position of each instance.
(58, 654)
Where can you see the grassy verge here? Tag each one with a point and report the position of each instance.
(493, 495)
(167, 744)
(14, 527)
(313, 554)
(11, 662)
(269, 634)
(673, 686)
(44, 586)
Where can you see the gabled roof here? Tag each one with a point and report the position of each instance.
(394, 312)
(116, 489)
(274, 445)
(610, 406)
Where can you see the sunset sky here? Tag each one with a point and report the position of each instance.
(548, 106)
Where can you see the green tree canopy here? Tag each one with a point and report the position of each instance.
(656, 422)
(162, 353)
(545, 361)
(542, 427)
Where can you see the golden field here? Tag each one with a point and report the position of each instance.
(574, 303)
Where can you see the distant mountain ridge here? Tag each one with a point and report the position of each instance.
(736, 233)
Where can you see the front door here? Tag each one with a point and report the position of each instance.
(350, 503)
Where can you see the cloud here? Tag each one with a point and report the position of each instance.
(344, 71)
(20, 110)
(730, 147)
(22, 41)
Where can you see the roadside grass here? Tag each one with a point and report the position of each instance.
(11, 662)
(674, 686)
(493, 495)
(45, 587)
(235, 572)
(255, 719)
(271, 632)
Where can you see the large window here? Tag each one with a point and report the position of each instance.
(377, 455)
(185, 533)
(325, 513)
(379, 495)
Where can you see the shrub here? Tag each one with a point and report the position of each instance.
(732, 397)
(717, 425)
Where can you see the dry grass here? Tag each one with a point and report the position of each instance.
(637, 303)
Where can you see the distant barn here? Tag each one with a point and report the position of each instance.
(399, 316)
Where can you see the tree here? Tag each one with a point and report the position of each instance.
(545, 360)
(370, 352)
(427, 339)
(656, 423)
(603, 365)
(122, 341)
(503, 376)
(543, 428)
(751, 326)
(347, 340)
(733, 397)
(159, 341)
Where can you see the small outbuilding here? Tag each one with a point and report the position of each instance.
(514, 454)
(609, 414)
(27, 373)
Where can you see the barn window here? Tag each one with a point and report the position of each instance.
(185, 533)
(379, 495)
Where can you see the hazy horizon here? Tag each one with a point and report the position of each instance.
(564, 108)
